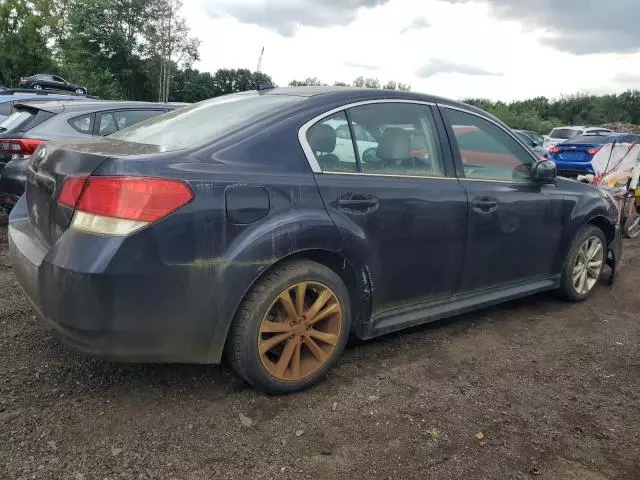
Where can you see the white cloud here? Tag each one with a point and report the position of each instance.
(371, 39)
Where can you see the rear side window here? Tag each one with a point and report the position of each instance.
(397, 139)
(83, 124)
(106, 124)
(204, 122)
(565, 133)
(126, 118)
(24, 119)
(332, 145)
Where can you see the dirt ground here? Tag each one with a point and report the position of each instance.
(551, 390)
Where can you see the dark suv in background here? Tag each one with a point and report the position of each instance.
(35, 122)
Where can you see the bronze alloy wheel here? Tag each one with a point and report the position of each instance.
(300, 331)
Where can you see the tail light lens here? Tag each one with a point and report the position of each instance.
(593, 150)
(555, 149)
(23, 79)
(19, 146)
(122, 205)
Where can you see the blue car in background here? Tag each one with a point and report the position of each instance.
(9, 97)
(574, 156)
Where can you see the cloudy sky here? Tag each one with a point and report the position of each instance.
(499, 49)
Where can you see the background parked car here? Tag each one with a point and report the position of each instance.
(10, 96)
(33, 123)
(562, 134)
(535, 136)
(51, 82)
(529, 140)
(574, 156)
(234, 226)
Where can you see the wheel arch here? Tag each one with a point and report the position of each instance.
(353, 273)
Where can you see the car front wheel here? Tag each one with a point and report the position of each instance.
(291, 329)
(81, 91)
(583, 264)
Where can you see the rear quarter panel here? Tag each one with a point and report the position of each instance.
(217, 260)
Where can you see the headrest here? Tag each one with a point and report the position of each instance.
(322, 138)
(395, 144)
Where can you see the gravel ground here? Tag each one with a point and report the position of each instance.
(532, 389)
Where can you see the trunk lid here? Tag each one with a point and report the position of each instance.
(576, 153)
(50, 166)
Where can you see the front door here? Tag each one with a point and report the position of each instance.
(391, 191)
(515, 225)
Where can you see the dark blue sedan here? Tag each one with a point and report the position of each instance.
(245, 227)
(574, 156)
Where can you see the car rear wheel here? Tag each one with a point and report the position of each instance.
(81, 91)
(583, 264)
(36, 86)
(291, 329)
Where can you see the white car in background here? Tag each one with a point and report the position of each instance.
(562, 134)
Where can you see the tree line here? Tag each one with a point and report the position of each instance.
(542, 114)
(144, 50)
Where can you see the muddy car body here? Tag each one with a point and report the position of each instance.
(179, 240)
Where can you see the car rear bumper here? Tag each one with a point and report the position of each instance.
(573, 169)
(166, 315)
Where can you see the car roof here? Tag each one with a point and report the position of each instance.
(92, 106)
(346, 95)
(33, 96)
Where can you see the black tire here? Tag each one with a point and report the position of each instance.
(37, 86)
(81, 91)
(242, 344)
(567, 289)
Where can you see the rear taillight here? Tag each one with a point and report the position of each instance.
(593, 150)
(554, 150)
(122, 205)
(19, 146)
(23, 80)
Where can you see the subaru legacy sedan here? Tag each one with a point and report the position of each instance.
(234, 228)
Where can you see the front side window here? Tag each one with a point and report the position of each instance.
(58, 79)
(397, 139)
(487, 151)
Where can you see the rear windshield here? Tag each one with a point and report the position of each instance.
(197, 124)
(23, 120)
(564, 133)
(589, 140)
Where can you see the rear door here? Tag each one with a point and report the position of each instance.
(401, 211)
(515, 225)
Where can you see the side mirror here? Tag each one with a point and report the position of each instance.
(544, 171)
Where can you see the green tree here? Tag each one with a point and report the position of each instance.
(23, 42)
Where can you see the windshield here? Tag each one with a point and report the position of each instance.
(565, 133)
(197, 124)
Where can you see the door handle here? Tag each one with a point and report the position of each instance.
(358, 202)
(484, 205)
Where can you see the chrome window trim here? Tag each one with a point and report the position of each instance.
(302, 131)
(366, 174)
